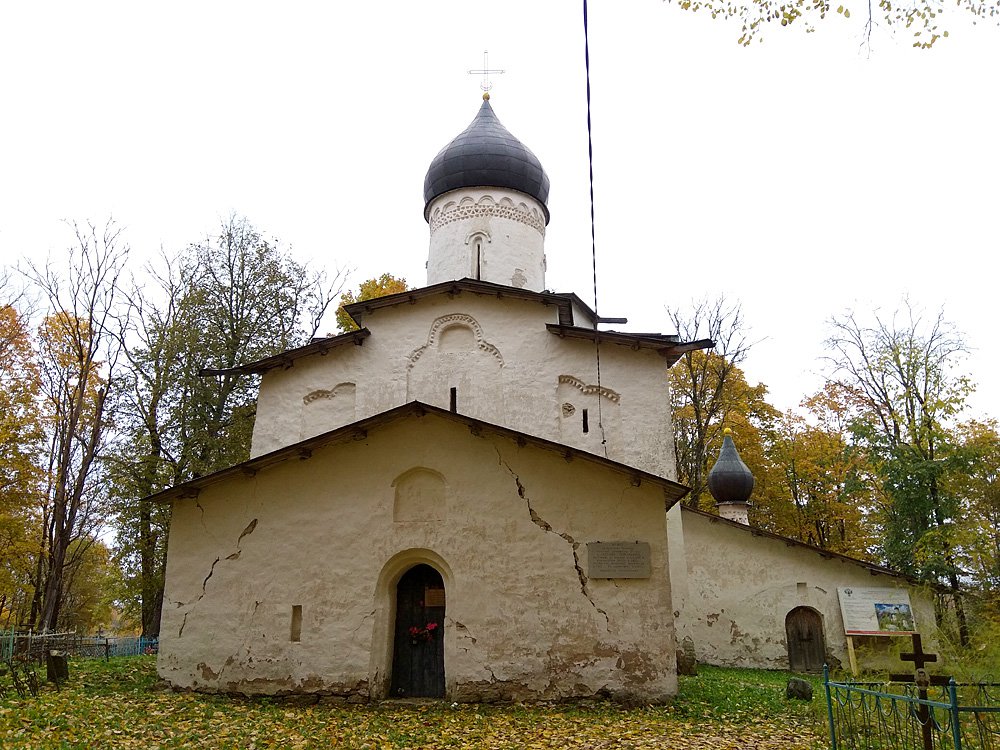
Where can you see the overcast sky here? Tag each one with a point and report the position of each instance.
(803, 176)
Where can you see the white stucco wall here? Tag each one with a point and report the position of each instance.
(522, 619)
(506, 367)
(732, 591)
(490, 234)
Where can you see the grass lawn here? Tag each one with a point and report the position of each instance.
(116, 705)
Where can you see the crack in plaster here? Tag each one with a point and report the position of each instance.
(360, 624)
(200, 507)
(245, 646)
(464, 632)
(211, 571)
(546, 526)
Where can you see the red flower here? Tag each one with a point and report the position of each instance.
(432, 626)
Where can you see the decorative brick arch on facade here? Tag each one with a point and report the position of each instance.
(447, 321)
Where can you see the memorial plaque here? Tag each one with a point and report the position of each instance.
(618, 560)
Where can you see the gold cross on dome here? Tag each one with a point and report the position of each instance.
(486, 84)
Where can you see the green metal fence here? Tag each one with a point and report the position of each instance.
(33, 646)
(905, 716)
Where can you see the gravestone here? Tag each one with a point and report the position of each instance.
(57, 667)
(687, 662)
(799, 689)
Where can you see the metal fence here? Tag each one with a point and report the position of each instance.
(904, 716)
(34, 646)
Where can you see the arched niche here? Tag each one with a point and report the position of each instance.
(420, 495)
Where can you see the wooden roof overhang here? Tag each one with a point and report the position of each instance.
(673, 491)
(286, 359)
(564, 302)
(667, 346)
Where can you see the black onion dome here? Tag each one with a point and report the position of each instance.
(730, 481)
(485, 154)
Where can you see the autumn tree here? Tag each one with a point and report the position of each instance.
(91, 584)
(232, 299)
(377, 287)
(247, 299)
(976, 483)
(902, 371)
(826, 478)
(77, 361)
(702, 386)
(922, 18)
(21, 443)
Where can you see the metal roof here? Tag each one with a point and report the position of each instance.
(485, 154)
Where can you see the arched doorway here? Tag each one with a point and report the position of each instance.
(804, 638)
(418, 643)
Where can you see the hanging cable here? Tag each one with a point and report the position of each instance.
(593, 231)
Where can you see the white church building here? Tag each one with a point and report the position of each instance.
(450, 502)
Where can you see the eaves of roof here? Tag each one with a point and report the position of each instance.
(670, 347)
(563, 301)
(673, 491)
(285, 359)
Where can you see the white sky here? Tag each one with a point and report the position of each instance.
(801, 176)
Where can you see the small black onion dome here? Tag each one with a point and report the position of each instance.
(485, 154)
(730, 481)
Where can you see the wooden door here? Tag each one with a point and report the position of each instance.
(804, 636)
(418, 653)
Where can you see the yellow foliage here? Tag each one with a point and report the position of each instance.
(378, 287)
(20, 473)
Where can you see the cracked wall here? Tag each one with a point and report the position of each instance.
(733, 589)
(523, 620)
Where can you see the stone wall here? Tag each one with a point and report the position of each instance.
(505, 367)
(505, 522)
(733, 589)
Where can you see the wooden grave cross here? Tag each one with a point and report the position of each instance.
(917, 656)
(920, 677)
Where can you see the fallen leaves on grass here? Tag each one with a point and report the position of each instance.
(116, 706)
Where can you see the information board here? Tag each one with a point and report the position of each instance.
(871, 611)
(618, 560)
